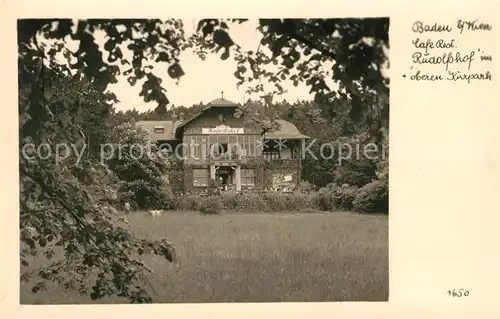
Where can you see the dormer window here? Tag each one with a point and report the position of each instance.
(159, 129)
(222, 118)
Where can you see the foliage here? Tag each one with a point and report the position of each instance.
(211, 205)
(334, 197)
(356, 45)
(305, 186)
(373, 198)
(357, 173)
(65, 202)
(139, 165)
(251, 202)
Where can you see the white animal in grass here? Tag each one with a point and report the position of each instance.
(154, 213)
(127, 208)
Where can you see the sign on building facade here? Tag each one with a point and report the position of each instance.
(222, 129)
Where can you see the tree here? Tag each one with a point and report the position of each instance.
(355, 45)
(79, 220)
(140, 167)
(66, 204)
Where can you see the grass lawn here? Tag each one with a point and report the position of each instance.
(259, 258)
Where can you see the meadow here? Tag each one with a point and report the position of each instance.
(257, 257)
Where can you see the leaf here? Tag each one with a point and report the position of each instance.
(42, 242)
(207, 29)
(241, 69)
(132, 80)
(175, 71)
(222, 38)
(109, 45)
(162, 57)
(278, 45)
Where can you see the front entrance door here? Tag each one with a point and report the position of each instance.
(225, 176)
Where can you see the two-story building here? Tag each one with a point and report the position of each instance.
(216, 145)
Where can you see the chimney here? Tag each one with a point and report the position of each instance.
(181, 116)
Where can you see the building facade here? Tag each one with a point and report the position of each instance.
(216, 147)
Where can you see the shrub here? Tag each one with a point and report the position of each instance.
(334, 197)
(324, 199)
(211, 205)
(170, 198)
(230, 200)
(357, 173)
(343, 197)
(305, 187)
(275, 201)
(249, 202)
(373, 197)
(189, 202)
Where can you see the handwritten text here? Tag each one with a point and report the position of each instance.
(437, 55)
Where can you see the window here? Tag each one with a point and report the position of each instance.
(218, 149)
(272, 155)
(201, 176)
(248, 144)
(247, 177)
(258, 140)
(271, 151)
(159, 129)
(195, 146)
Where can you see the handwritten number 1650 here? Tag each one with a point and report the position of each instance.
(458, 293)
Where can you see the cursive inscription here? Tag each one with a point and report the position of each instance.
(459, 76)
(420, 27)
(437, 55)
(419, 76)
(431, 44)
(445, 58)
(473, 25)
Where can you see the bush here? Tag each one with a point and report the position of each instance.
(230, 200)
(253, 201)
(343, 197)
(373, 198)
(305, 187)
(357, 173)
(248, 202)
(189, 202)
(333, 197)
(211, 205)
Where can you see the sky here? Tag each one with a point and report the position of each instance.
(203, 80)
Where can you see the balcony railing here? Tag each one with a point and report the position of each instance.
(276, 156)
(226, 156)
(271, 156)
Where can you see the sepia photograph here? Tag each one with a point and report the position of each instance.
(203, 161)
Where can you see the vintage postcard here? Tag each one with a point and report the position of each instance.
(311, 160)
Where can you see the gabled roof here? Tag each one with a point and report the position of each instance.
(286, 130)
(222, 103)
(169, 128)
